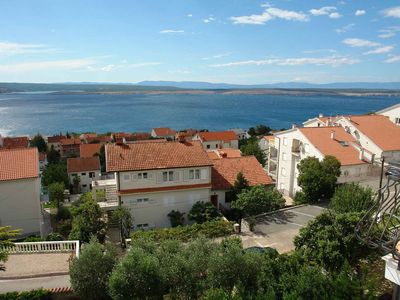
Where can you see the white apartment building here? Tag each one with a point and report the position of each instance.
(154, 178)
(87, 169)
(218, 139)
(293, 145)
(392, 112)
(20, 190)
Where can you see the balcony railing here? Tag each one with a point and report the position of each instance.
(42, 247)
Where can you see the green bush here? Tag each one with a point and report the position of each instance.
(210, 229)
(33, 238)
(352, 197)
(54, 236)
(202, 212)
(31, 295)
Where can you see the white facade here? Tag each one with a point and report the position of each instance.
(392, 112)
(20, 205)
(152, 194)
(86, 178)
(240, 133)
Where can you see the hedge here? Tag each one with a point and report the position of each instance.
(31, 295)
(211, 229)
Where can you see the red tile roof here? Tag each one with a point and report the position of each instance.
(102, 139)
(320, 137)
(269, 137)
(163, 131)
(155, 155)
(42, 156)
(82, 164)
(220, 153)
(225, 136)
(55, 138)
(19, 164)
(224, 172)
(15, 142)
(384, 133)
(71, 141)
(89, 150)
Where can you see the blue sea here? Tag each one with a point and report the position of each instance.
(51, 113)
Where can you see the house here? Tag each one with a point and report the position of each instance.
(102, 139)
(223, 153)
(264, 143)
(14, 142)
(376, 133)
(163, 132)
(320, 121)
(240, 133)
(155, 177)
(42, 160)
(392, 112)
(85, 136)
(293, 145)
(224, 174)
(70, 147)
(20, 190)
(54, 142)
(89, 150)
(87, 169)
(218, 139)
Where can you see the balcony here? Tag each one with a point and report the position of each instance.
(105, 193)
(296, 147)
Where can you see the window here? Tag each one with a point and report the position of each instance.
(126, 177)
(142, 176)
(168, 176)
(194, 174)
(216, 146)
(397, 121)
(283, 172)
(83, 174)
(142, 200)
(208, 146)
(306, 148)
(84, 185)
(284, 156)
(142, 226)
(74, 174)
(285, 142)
(91, 174)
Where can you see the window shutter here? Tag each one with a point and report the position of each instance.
(203, 173)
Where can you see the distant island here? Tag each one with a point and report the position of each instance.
(187, 87)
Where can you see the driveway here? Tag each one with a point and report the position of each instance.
(278, 229)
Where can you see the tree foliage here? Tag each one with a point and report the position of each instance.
(176, 218)
(56, 193)
(6, 237)
(253, 148)
(203, 211)
(123, 217)
(55, 173)
(240, 184)
(53, 156)
(102, 158)
(257, 200)
(351, 197)
(39, 142)
(90, 272)
(318, 178)
(259, 130)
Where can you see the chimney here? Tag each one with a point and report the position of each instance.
(1, 141)
(223, 154)
(333, 134)
(294, 126)
(320, 115)
(181, 137)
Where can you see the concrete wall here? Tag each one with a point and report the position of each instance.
(131, 180)
(220, 144)
(154, 211)
(20, 205)
(85, 179)
(393, 114)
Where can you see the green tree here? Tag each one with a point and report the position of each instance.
(240, 184)
(203, 211)
(102, 158)
(53, 156)
(90, 272)
(259, 130)
(253, 148)
(56, 193)
(76, 180)
(330, 240)
(55, 173)
(123, 217)
(257, 200)
(318, 178)
(87, 222)
(39, 142)
(352, 197)
(176, 218)
(6, 237)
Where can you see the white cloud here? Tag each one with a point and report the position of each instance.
(380, 50)
(8, 48)
(393, 59)
(189, 15)
(217, 56)
(360, 12)
(389, 32)
(354, 42)
(335, 15)
(326, 10)
(66, 64)
(171, 31)
(270, 13)
(209, 19)
(393, 12)
(345, 28)
(319, 51)
(333, 61)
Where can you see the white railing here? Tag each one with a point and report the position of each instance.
(42, 247)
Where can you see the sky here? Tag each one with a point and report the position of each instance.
(237, 41)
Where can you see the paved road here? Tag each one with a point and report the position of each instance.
(277, 230)
(34, 283)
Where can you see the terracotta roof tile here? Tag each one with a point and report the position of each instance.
(102, 139)
(225, 136)
(224, 152)
(15, 142)
(320, 137)
(155, 155)
(384, 133)
(72, 141)
(55, 138)
(224, 172)
(82, 164)
(89, 150)
(19, 164)
(42, 156)
(164, 131)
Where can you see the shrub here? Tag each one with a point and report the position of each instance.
(210, 229)
(31, 295)
(203, 211)
(54, 236)
(176, 218)
(352, 198)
